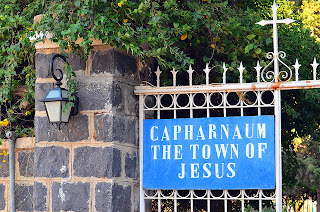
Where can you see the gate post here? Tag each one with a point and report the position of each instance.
(278, 158)
(277, 95)
(91, 164)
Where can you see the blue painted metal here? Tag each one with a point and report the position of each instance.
(209, 153)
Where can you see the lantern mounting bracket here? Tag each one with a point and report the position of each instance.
(58, 83)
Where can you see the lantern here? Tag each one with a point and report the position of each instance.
(57, 98)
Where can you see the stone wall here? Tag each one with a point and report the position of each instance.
(91, 164)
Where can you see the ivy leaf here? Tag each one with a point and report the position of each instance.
(258, 51)
(248, 48)
(268, 41)
(251, 36)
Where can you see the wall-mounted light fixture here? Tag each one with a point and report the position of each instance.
(57, 98)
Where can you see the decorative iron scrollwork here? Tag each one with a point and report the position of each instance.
(269, 75)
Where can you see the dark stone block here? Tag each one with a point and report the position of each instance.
(75, 130)
(114, 62)
(70, 196)
(24, 197)
(40, 197)
(103, 197)
(103, 62)
(130, 101)
(121, 198)
(125, 64)
(116, 128)
(41, 91)
(96, 94)
(76, 62)
(124, 129)
(51, 162)
(103, 127)
(131, 165)
(93, 93)
(2, 195)
(25, 160)
(112, 197)
(97, 162)
(42, 64)
(4, 165)
(116, 95)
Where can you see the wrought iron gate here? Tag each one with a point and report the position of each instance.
(222, 99)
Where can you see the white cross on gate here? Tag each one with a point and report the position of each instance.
(274, 22)
(277, 96)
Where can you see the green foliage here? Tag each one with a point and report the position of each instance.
(311, 17)
(71, 85)
(308, 156)
(16, 65)
(176, 33)
(308, 175)
(249, 208)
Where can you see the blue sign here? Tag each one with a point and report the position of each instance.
(209, 153)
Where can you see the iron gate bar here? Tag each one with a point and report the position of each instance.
(264, 86)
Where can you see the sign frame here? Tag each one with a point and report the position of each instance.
(214, 153)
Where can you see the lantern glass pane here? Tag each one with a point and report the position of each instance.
(54, 111)
(53, 93)
(65, 114)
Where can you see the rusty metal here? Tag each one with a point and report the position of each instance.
(231, 87)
